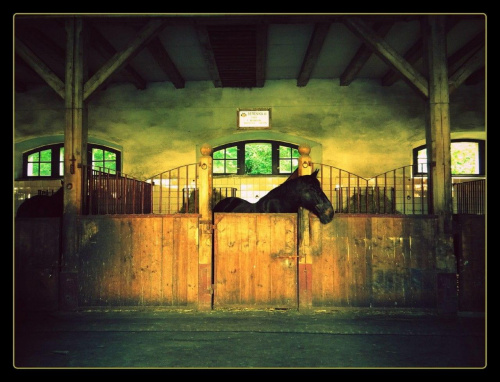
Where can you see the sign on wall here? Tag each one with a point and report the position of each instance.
(254, 118)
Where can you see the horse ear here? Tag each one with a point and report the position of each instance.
(315, 173)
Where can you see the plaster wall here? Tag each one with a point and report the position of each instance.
(363, 128)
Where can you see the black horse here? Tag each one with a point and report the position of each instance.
(40, 206)
(304, 191)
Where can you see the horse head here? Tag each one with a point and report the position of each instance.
(314, 199)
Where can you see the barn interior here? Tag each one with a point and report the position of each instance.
(363, 93)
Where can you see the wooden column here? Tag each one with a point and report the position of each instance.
(439, 159)
(75, 153)
(205, 264)
(305, 258)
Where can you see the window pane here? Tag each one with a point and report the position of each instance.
(422, 161)
(109, 156)
(464, 158)
(285, 152)
(97, 155)
(45, 155)
(232, 152)
(45, 169)
(35, 157)
(232, 166)
(32, 169)
(285, 166)
(96, 165)
(61, 160)
(218, 166)
(295, 153)
(219, 154)
(258, 158)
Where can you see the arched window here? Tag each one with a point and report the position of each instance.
(48, 161)
(257, 157)
(467, 158)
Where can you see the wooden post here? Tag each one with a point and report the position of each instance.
(205, 264)
(75, 153)
(439, 158)
(305, 258)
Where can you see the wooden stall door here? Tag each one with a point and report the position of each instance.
(255, 260)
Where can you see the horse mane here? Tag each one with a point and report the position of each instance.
(284, 188)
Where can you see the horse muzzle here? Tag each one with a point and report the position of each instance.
(325, 213)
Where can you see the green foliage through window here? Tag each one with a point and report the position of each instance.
(466, 158)
(256, 158)
(49, 160)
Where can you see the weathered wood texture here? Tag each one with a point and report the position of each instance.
(36, 262)
(356, 260)
(374, 261)
(471, 252)
(138, 260)
(255, 259)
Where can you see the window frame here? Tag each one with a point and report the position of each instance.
(240, 157)
(55, 160)
(481, 154)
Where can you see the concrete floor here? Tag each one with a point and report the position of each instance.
(242, 338)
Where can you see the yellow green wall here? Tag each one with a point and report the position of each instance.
(363, 128)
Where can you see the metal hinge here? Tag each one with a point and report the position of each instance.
(209, 227)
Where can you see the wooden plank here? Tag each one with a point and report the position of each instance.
(122, 57)
(168, 260)
(247, 245)
(388, 54)
(262, 263)
(192, 277)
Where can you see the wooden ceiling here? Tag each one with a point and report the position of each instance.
(246, 51)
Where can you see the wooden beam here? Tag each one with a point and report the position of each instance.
(261, 54)
(362, 55)
(106, 50)
(438, 123)
(414, 54)
(161, 56)
(40, 67)
(473, 64)
(388, 54)
(457, 59)
(208, 54)
(121, 58)
(313, 50)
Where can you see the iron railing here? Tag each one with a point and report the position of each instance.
(393, 192)
(111, 192)
(176, 191)
(470, 197)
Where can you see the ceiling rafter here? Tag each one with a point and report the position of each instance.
(388, 54)
(363, 55)
(469, 67)
(106, 50)
(413, 55)
(313, 50)
(40, 67)
(163, 59)
(208, 54)
(121, 58)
